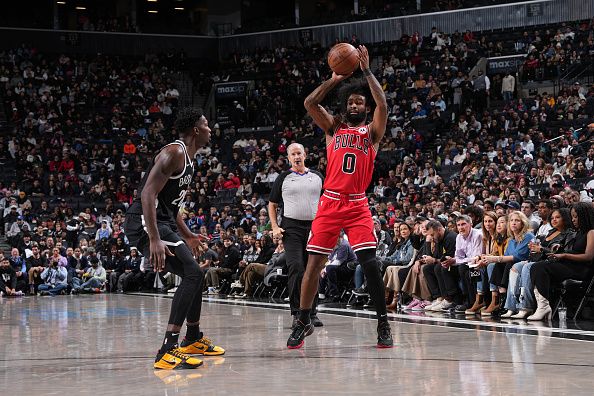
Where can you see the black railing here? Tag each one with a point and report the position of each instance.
(579, 72)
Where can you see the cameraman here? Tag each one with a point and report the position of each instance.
(54, 276)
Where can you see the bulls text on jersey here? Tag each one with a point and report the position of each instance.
(352, 140)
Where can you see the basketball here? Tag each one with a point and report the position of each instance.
(343, 58)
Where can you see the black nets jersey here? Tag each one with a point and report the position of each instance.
(171, 197)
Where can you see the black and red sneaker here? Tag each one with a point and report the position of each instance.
(300, 331)
(384, 335)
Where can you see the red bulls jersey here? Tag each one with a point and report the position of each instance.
(350, 160)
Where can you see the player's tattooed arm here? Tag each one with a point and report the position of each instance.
(380, 115)
(312, 104)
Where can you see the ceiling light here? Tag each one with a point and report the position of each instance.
(152, 1)
(61, 2)
(81, 8)
(179, 8)
(153, 11)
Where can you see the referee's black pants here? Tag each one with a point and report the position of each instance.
(295, 242)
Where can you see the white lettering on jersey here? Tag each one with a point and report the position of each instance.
(185, 180)
(179, 200)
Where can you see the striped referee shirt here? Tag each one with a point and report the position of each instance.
(298, 193)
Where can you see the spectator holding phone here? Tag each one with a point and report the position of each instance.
(54, 276)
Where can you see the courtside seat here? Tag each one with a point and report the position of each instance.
(577, 290)
(278, 283)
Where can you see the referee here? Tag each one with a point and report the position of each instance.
(298, 190)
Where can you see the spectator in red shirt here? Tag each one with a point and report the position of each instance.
(129, 147)
(123, 195)
(231, 182)
(72, 177)
(54, 165)
(416, 59)
(220, 183)
(154, 109)
(66, 164)
(468, 37)
(530, 67)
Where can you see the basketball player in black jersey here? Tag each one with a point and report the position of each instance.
(154, 225)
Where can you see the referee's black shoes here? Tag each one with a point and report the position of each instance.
(384, 335)
(300, 331)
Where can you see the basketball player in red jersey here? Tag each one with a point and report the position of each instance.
(351, 147)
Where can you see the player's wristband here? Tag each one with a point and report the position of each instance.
(367, 72)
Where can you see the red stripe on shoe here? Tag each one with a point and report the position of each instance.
(296, 346)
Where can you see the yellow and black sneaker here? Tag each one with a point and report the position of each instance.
(175, 359)
(203, 346)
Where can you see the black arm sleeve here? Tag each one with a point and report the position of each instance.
(276, 194)
(320, 176)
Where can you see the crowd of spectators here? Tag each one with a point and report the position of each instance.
(551, 53)
(81, 133)
(83, 130)
(415, 64)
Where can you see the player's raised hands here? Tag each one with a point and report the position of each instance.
(363, 57)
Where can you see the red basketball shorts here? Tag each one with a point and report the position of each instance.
(342, 212)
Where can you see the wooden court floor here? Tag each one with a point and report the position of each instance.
(105, 345)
